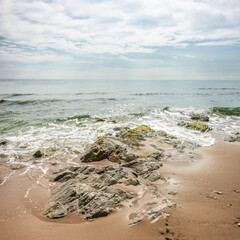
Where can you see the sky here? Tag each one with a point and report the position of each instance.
(120, 40)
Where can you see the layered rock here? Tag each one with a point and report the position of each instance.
(107, 148)
(86, 190)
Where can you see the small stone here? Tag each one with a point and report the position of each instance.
(172, 193)
(38, 154)
(236, 191)
(3, 142)
(238, 224)
(217, 192)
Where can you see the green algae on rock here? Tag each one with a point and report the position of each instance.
(79, 117)
(199, 126)
(137, 114)
(196, 125)
(100, 119)
(136, 133)
(227, 111)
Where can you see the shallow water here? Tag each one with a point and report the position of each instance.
(37, 114)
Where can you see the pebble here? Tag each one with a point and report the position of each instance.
(239, 224)
(217, 192)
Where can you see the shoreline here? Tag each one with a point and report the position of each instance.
(200, 216)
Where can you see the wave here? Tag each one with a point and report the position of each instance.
(218, 88)
(25, 102)
(94, 93)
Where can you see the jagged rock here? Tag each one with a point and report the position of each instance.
(154, 176)
(85, 189)
(181, 145)
(144, 166)
(63, 176)
(38, 154)
(200, 117)
(132, 181)
(100, 150)
(111, 149)
(121, 154)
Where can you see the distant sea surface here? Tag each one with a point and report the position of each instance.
(71, 114)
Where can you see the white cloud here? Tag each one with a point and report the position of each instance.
(88, 27)
(74, 30)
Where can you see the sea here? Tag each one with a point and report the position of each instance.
(65, 116)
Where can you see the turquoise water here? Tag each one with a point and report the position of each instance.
(39, 114)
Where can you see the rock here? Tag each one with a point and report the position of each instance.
(182, 145)
(238, 224)
(121, 154)
(108, 148)
(217, 192)
(132, 181)
(145, 166)
(172, 193)
(63, 176)
(154, 176)
(236, 190)
(203, 127)
(210, 196)
(100, 150)
(86, 190)
(136, 219)
(17, 166)
(235, 138)
(3, 142)
(138, 133)
(200, 117)
(38, 154)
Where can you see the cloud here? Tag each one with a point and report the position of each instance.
(49, 31)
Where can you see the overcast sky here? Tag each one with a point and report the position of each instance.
(125, 39)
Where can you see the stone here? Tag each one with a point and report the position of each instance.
(3, 142)
(200, 117)
(154, 176)
(108, 148)
(132, 181)
(38, 154)
(144, 166)
(100, 150)
(172, 193)
(136, 219)
(217, 192)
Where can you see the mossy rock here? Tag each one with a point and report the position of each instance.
(137, 133)
(166, 109)
(112, 121)
(227, 111)
(100, 119)
(137, 114)
(199, 126)
(100, 140)
(79, 117)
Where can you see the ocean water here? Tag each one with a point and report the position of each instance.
(39, 114)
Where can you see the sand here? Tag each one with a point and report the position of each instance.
(203, 214)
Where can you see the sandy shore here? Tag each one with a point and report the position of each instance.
(203, 215)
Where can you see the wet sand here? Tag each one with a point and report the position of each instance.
(201, 216)
(205, 214)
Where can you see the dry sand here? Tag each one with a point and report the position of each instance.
(201, 216)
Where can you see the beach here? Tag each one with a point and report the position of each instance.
(202, 213)
(146, 160)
